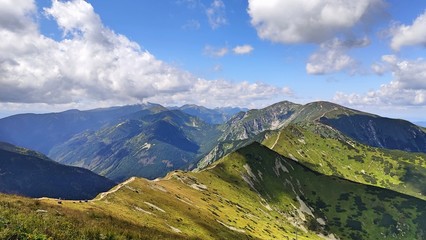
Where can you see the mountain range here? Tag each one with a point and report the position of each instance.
(150, 140)
(147, 144)
(252, 193)
(287, 171)
(41, 132)
(365, 128)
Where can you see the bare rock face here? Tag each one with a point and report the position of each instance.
(248, 124)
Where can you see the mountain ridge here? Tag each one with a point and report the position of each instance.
(148, 145)
(251, 193)
(365, 128)
(32, 174)
(113, 144)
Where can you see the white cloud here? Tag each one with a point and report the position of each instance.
(408, 88)
(220, 92)
(332, 56)
(385, 65)
(378, 68)
(308, 21)
(92, 65)
(243, 49)
(414, 34)
(15, 15)
(333, 24)
(93, 62)
(216, 14)
(222, 51)
(328, 61)
(215, 51)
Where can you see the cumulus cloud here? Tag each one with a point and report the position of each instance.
(332, 56)
(334, 25)
(222, 51)
(92, 62)
(216, 14)
(215, 51)
(15, 15)
(90, 65)
(409, 35)
(307, 21)
(378, 68)
(218, 92)
(407, 88)
(385, 65)
(243, 49)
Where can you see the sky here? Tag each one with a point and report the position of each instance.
(365, 54)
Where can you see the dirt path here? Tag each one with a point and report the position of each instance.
(276, 140)
(104, 194)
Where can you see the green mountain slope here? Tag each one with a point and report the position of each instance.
(330, 152)
(365, 128)
(144, 144)
(252, 193)
(32, 174)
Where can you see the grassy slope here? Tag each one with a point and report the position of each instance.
(23, 218)
(329, 152)
(252, 193)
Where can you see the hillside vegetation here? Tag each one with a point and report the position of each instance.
(330, 152)
(364, 128)
(251, 193)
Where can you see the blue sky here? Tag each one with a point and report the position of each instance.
(365, 54)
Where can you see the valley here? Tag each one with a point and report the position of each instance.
(287, 171)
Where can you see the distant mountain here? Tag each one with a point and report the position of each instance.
(245, 125)
(365, 128)
(145, 143)
(41, 132)
(212, 116)
(253, 193)
(371, 129)
(29, 173)
(150, 140)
